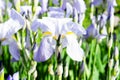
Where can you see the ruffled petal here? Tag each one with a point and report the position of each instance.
(73, 49)
(44, 51)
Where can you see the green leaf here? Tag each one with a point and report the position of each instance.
(99, 64)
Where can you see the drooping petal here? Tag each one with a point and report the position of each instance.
(11, 26)
(73, 49)
(14, 51)
(17, 17)
(44, 51)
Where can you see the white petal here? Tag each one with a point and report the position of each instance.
(16, 76)
(73, 49)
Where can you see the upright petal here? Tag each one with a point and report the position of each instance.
(46, 24)
(97, 2)
(56, 12)
(44, 51)
(80, 6)
(69, 9)
(55, 2)
(16, 76)
(73, 49)
(44, 5)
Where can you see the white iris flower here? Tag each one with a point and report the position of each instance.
(52, 28)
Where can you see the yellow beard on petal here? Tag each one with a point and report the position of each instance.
(47, 33)
(2, 39)
(68, 34)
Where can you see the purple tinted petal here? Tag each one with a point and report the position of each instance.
(64, 4)
(44, 5)
(17, 17)
(55, 2)
(55, 9)
(14, 51)
(55, 14)
(80, 6)
(97, 2)
(91, 31)
(43, 24)
(9, 77)
(44, 51)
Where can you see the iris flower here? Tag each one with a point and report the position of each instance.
(93, 32)
(8, 28)
(14, 77)
(52, 29)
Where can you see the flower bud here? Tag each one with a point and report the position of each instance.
(32, 68)
(60, 70)
(111, 62)
(110, 42)
(50, 69)
(35, 74)
(115, 71)
(66, 71)
(116, 53)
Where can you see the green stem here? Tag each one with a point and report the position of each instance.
(109, 71)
